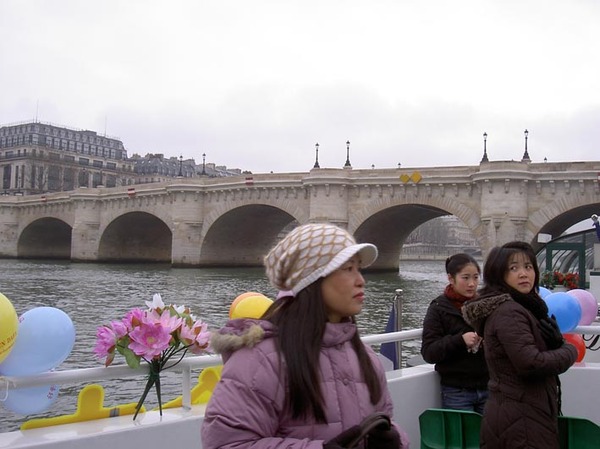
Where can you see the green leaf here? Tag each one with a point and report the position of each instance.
(132, 360)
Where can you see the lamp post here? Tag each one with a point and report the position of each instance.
(347, 164)
(316, 156)
(526, 154)
(485, 156)
(203, 163)
(180, 166)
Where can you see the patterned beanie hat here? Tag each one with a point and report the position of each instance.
(313, 251)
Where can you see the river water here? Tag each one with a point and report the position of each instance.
(95, 294)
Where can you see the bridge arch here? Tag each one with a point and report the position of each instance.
(388, 222)
(557, 217)
(45, 238)
(136, 237)
(152, 206)
(296, 209)
(242, 235)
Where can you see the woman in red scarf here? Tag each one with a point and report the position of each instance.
(451, 344)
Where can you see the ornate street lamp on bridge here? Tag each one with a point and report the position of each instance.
(316, 156)
(180, 166)
(485, 156)
(347, 164)
(526, 157)
(203, 163)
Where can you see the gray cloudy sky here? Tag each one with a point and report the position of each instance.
(255, 84)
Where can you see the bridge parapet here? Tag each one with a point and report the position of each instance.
(498, 201)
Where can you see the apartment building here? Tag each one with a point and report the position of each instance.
(38, 157)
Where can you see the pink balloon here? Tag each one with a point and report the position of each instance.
(589, 305)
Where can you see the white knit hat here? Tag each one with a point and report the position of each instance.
(313, 251)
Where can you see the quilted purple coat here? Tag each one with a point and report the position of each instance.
(247, 406)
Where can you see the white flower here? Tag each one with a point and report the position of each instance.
(179, 309)
(157, 302)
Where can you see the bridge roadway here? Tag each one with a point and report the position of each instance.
(234, 221)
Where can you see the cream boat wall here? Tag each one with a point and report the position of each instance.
(413, 390)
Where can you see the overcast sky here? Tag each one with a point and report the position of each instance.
(255, 84)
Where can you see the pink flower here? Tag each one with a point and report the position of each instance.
(149, 340)
(106, 339)
(134, 318)
(170, 323)
(196, 337)
(158, 335)
(119, 328)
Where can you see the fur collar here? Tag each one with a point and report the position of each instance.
(476, 311)
(240, 333)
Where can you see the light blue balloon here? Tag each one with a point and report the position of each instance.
(45, 338)
(28, 401)
(544, 292)
(565, 308)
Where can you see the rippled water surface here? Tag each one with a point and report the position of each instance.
(94, 294)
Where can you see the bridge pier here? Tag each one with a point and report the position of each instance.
(328, 191)
(85, 238)
(8, 240)
(186, 244)
(186, 227)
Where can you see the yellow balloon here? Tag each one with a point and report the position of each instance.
(251, 307)
(9, 324)
(237, 300)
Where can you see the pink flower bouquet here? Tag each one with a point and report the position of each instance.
(155, 335)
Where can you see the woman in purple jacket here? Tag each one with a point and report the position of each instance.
(300, 377)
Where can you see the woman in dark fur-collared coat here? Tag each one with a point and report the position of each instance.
(524, 350)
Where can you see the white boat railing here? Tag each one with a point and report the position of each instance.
(185, 367)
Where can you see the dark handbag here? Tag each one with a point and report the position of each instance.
(377, 420)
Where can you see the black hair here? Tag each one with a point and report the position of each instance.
(301, 322)
(497, 262)
(457, 262)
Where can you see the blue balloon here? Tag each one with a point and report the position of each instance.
(31, 400)
(544, 292)
(45, 338)
(565, 308)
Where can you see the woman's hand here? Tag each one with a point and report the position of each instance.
(384, 439)
(472, 340)
(551, 332)
(341, 441)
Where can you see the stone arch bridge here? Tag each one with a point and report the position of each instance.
(234, 221)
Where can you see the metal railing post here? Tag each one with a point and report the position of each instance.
(398, 322)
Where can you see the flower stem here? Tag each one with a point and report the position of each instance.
(153, 379)
(180, 358)
(149, 384)
(157, 384)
